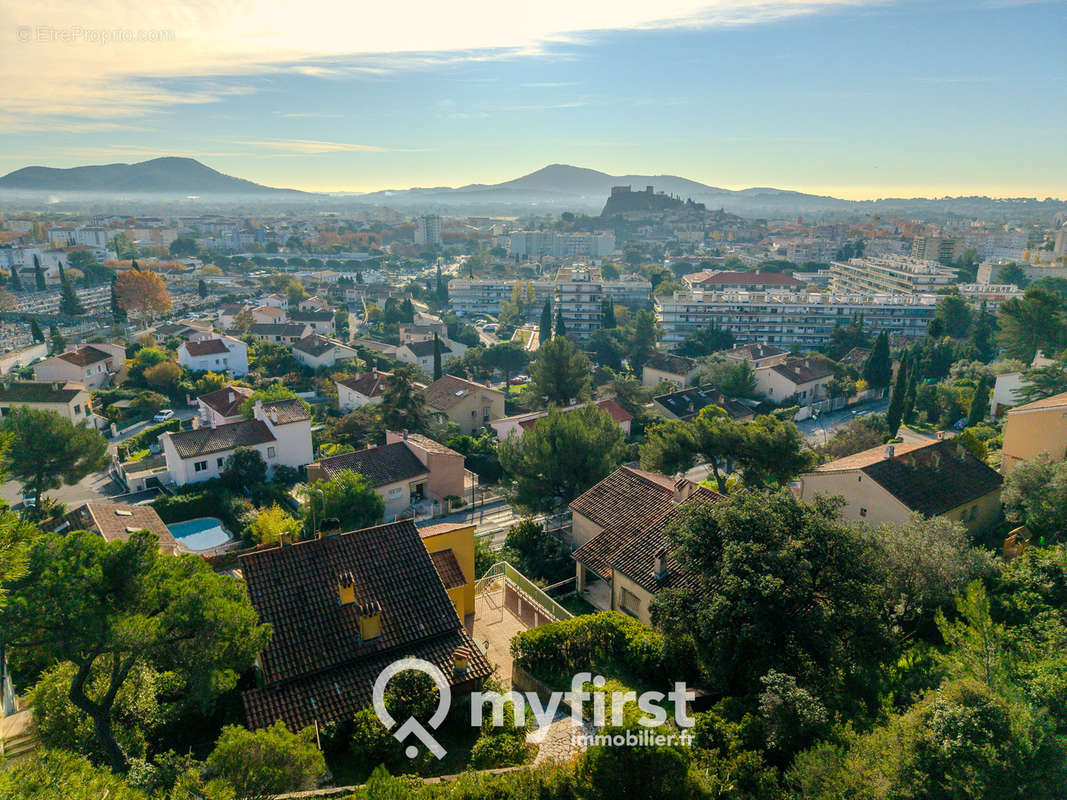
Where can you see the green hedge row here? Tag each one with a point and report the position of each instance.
(209, 499)
(147, 437)
(607, 643)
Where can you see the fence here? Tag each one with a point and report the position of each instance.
(522, 597)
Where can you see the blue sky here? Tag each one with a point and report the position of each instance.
(852, 98)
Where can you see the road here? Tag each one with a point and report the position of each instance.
(818, 431)
(491, 520)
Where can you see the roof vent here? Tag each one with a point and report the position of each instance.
(121, 512)
(890, 451)
(660, 566)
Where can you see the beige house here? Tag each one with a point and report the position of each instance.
(624, 557)
(1035, 428)
(472, 406)
(412, 473)
(362, 390)
(889, 483)
(317, 351)
(758, 355)
(804, 378)
(668, 367)
(92, 365)
(116, 521)
(69, 399)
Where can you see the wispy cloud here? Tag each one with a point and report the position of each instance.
(315, 147)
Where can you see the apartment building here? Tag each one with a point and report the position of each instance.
(790, 318)
(471, 297)
(934, 248)
(535, 244)
(428, 231)
(578, 297)
(889, 275)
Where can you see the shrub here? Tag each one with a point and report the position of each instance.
(148, 436)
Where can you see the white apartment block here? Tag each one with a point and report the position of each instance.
(535, 244)
(428, 231)
(992, 294)
(889, 275)
(790, 318)
(93, 236)
(470, 297)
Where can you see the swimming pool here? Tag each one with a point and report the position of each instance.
(200, 534)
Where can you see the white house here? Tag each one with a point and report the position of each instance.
(280, 333)
(803, 378)
(421, 353)
(322, 322)
(218, 354)
(279, 431)
(365, 389)
(223, 405)
(317, 351)
(313, 303)
(92, 365)
(269, 314)
(277, 300)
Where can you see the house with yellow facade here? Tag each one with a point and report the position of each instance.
(1035, 428)
(451, 548)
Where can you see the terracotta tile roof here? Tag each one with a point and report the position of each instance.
(856, 357)
(287, 329)
(40, 391)
(626, 499)
(425, 348)
(444, 561)
(369, 384)
(116, 521)
(381, 465)
(1055, 401)
(803, 371)
(448, 390)
(668, 362)
(430, 445)
(311, 316)
(314, 345)
(615, 411)
(84, 356)
(282, 412)
(316, 666)
(443, 527)
(227, 401)
(206, 347)
(755, 351)
(205, 441)
(687, 403)
(931, 478)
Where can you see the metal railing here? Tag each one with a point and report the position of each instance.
(503, 571)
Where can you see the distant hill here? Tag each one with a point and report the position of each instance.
(157, 176)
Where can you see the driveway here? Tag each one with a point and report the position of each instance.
(819, 430)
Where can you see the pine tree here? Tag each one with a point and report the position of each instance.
(69, 303)
(118, 313)
(437, 370)
(982, 335)
(896, 402)
(38, 275)
(35, 331)
(16, 282)
(609, 314)
(980, 402)
(59, 342)
(546, 322)
(561, 326)
(442, 287)
(201, 288)
(878, 369)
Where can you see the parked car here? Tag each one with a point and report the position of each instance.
(28, 499)
(163, 415)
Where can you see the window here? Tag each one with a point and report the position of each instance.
(200, 466)
(219, 462)
(486, 413)
(863, 512)
(271, 452)
(474, 413)
(77, 409)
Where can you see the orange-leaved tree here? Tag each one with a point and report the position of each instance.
(142, 293)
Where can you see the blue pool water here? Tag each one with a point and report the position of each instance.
(200, 534)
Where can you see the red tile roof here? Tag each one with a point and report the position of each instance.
(207, 347)
(369, 384)
(227, 401)
(448, 568)
(626, 499)
(84, 356)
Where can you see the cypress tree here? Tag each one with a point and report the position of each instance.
(561, 327)
(609, 314)
(69, 302)
(118, 313)
(979, 403)
(201, 288)
(896, 401)
(546, 322)
(437, 371)
(38, 275)
(59, 342)
(908, 414)
(878, 369)
(35, 331)
(16, 281)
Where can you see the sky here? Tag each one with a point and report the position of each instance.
(852, 98)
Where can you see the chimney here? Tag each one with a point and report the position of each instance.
(683, 489)
(346, 589)
(941, 436)
(890, 451)
(285, 539)
(461, 660)
(660, 567)
(405, 434)
(233, 398)
(331, 526)
(195, 423)
(257, 410)
(369, 614)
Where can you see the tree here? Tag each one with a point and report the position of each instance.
(16, 534)
(508, 358)
(347, 497)
(732, 378)
(403, 404)
(1041, 382)
(268, 762)
(561, 456)
(907, 413)
(646, 333)
(560, 374)
(143, 293)
(35, 330)
(561, 325)
(201, 288)
(772, 452)
(878, 369)
(183, 246)
(15, 284)
(118, 313)
(608, 315)
(983, 334)
(955, 313)
(271, 394)
(48, 774)
(437, 370)
(1035, 495)
(861, 433)
(1014, 274)
(896, 401)
(1031, 323)
(58, 340)
(47, 450)
(69, 303)
(546, 322)
(114, 606)
(670, 447)
(980, 402)
(244, 469)
(38, 275)
(270, 523)
(702, 343)
(164, 376)
(773, 583)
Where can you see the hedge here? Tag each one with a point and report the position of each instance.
(208, 499)
(148, 436)
(607, 643)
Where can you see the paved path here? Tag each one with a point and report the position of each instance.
(819, 431)
(559, 742)
(491, 520)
